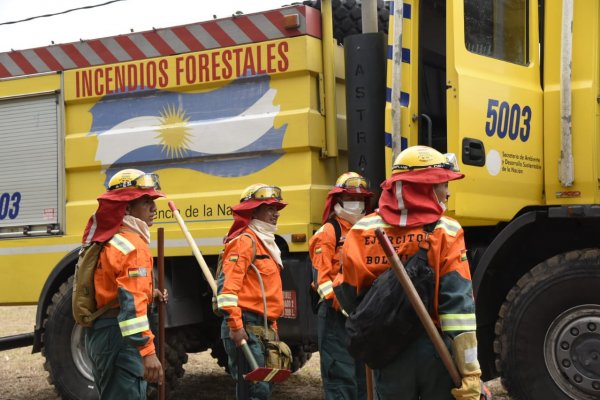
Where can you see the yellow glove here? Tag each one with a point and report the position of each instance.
(465, 357)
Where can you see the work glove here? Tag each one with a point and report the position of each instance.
(464, 350)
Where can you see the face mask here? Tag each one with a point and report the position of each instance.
(354, 206)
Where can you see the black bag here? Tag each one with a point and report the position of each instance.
(384, 322)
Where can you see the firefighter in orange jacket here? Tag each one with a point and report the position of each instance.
(414, 197)
(120, 343)
(240, 296)
(343, 377)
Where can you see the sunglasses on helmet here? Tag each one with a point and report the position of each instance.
(354, 182)
(263, 193)
(146, 181)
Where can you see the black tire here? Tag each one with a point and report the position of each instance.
(218, 352)
(299, 357)
(69, 368)
(347, 18)
(548, 334)
(175, 357)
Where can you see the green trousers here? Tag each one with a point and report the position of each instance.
(343, 377)
(236, 360)
(116, 365)
(417, 374)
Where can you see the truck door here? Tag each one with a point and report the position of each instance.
(494, 106)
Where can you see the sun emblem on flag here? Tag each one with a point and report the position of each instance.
(174, 133)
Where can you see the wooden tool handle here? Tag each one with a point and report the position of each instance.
(195, 250)
(419, 307)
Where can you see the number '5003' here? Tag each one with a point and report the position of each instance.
(9, 205)
(504, 119)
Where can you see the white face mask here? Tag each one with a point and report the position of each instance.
(354, 206)
(443, 205)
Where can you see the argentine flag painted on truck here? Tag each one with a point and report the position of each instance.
(228, 131)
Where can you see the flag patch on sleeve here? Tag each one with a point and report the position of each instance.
(463, 255)
(233, 258)
(137, 272)
(318, 250)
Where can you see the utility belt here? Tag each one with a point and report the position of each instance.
(277, 354)
(261, 333)
(110, 313)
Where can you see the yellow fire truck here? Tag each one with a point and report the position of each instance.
(511, 87)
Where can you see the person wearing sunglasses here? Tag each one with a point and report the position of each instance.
(343, 377)
(411, 209)
(120, 344)
(250, 244)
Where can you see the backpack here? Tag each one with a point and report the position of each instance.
(384, 322)
(315, 298)
(220, 278)
(84, 295)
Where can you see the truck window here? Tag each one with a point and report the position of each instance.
(497, 29)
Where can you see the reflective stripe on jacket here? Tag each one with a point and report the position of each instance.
(363, 260)
(325, 257)
(125, 272)
(241, 289)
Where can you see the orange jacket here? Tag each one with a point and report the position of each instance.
(241, 289)
(125, 272)
(364, 260)
(325, 257)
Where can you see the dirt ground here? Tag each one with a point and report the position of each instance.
(22, 374)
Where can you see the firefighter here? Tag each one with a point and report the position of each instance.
(240, 296)
(120, 344)
(413, 197)
(343, 377)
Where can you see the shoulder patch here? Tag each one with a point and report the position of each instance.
(120, 243)
(450, 226)
(137, 272)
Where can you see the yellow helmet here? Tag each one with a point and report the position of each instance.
(352, 182)
(133, 178)
(260, 191)
(420, 157)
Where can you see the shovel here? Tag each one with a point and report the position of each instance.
(161, 309)
(258, 373)
(421, 311)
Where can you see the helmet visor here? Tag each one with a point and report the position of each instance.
(264, 193)
(354, 182)
(450, 163)
(146, 181)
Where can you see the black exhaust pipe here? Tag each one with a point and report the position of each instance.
(365, 57)
(15, 341)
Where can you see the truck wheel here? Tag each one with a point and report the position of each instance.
(69, 368)
(299, 357)
(218, 353)
(548, 332)
(175, 357)
(347, 18)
